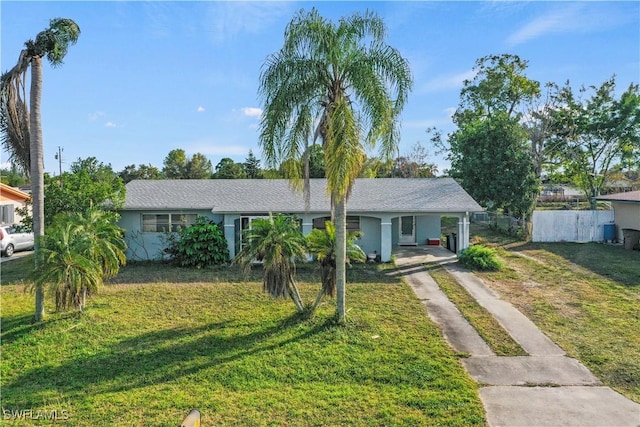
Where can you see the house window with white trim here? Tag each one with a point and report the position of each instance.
(353, 223)
(244, 223)
(7, 214)
(163, 223)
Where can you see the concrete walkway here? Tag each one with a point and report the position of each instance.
(545, 388)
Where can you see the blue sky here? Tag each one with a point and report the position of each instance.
(149, 77)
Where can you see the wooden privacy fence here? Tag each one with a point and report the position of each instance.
(569, 226)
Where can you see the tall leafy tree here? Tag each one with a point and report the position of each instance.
(537, 121)
(374, 167)
(251, 166)
(13, 177)
(21, 128)
(199, 167)
(131, 172)
(178, 166)
(89, 183)
(228, 169)
(491, 160)
(414, 164)
(499, 86)
(175, 164)
(278, 242)
(341, 84)
(490, 152)
(595, 132)
(317, 168)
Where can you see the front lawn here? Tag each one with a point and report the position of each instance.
(161, 340)
(585, 296)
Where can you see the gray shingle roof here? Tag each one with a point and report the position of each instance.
(276, 195)
(629, 196)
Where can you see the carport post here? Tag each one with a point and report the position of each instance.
(385, 239)
(463, 233)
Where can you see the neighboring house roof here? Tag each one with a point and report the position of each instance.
(619, 183)
(276, 195)
(629, 196)
(10, 193)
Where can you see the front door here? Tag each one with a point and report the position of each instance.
(407, 230)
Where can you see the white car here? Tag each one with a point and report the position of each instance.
(14, 238)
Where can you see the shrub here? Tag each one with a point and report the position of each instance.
(478, 257)
(199, 245)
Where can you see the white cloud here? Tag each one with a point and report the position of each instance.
(580, 17)
(448, 82)
(110, 125)
(96, 115)
(200, 109)
(553, 22)
(229, 19)
(251, 111)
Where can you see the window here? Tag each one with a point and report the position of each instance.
(6, 214)
(162, 223)
(353, 223)
(244, 223)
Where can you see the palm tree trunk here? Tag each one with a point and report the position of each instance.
(83, 301)
(318, 300)
(37, 171)
(341, 255)
(295, 295)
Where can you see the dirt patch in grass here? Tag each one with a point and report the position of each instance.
(585, 297)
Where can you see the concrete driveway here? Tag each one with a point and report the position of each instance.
(545, 388)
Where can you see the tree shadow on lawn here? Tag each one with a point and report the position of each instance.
(14, 327)
(610, 261)
(152, 358)
(163, 272)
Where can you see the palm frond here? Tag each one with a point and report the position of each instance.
(14, 114)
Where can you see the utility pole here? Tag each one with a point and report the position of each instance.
(59, 159)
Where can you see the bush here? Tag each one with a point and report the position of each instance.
(480, 257)
(200, 245)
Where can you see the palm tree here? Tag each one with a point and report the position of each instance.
(322, 244)
(107, 245)
(78, 253)
(21, 130)
(67, 267)
(341, 84)
(277, 242)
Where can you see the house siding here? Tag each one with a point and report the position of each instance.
(149, 245)
(427, 227)
(10, 200)
(377, 202)
(627, 215)
(371, 234)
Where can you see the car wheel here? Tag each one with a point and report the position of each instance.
(8, 250)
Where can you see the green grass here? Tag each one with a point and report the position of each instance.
(586, 297)
(159, 341)
(14, 271)
(496, 337)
